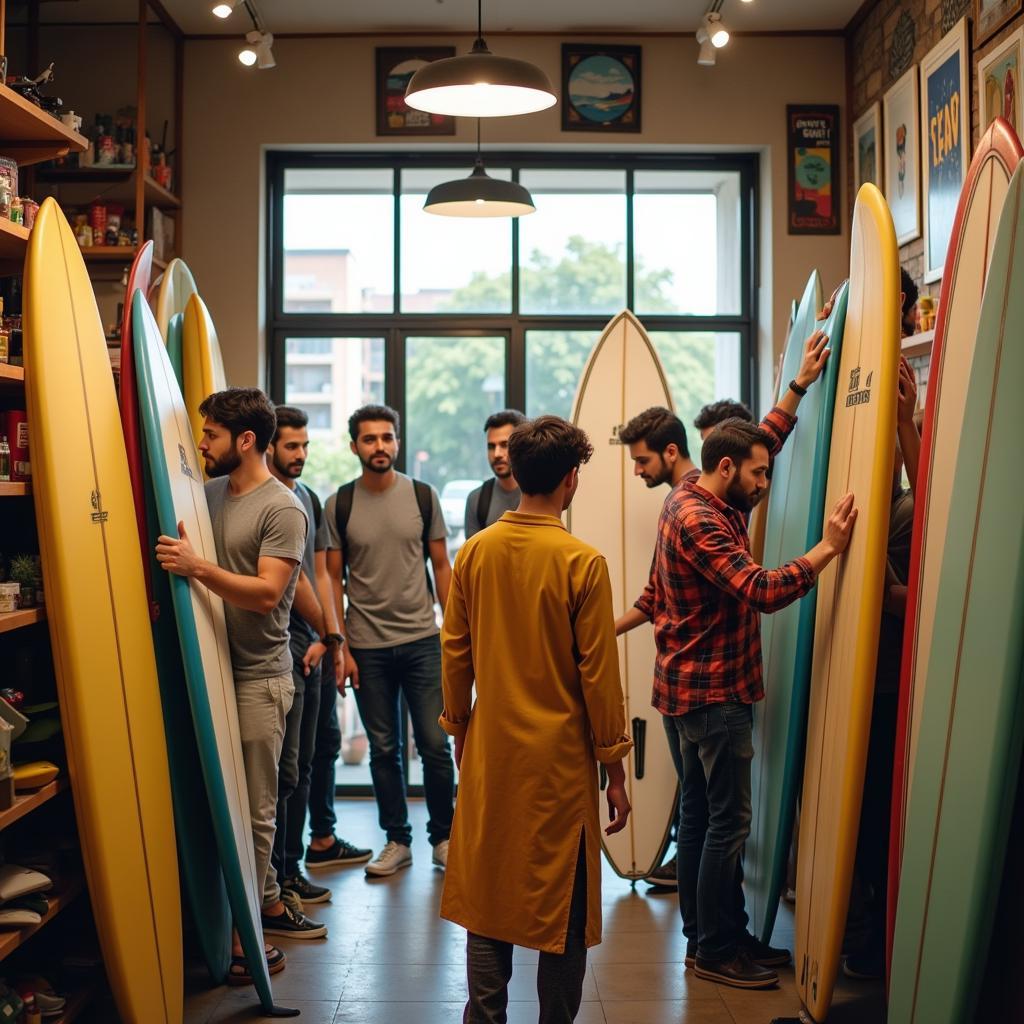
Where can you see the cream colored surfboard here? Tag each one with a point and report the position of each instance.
(176, 287)
(616, 513)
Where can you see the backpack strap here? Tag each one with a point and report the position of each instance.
(425, 502)
(483, 501)
(318, 512)
(342, 512)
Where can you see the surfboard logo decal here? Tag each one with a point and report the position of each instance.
(186, 469)
(97, 515)
(856, 394)
(615, 439)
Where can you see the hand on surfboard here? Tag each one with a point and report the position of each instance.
(175, 554)
(906, 403)
(618, 807)
(816, 354)
(839, 525)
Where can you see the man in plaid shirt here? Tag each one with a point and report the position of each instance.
(704, 598)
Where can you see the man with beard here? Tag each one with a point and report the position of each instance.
(259, 528)
(707, 593)
(493, 498)
(382, 529)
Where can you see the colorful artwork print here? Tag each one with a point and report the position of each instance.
(901, 112)
(867, 149)
(600, 88)
(991, 15)
(867, 140)
(813, 170)
(395, 68)
(999, 83)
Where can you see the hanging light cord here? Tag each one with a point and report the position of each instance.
(479, 46)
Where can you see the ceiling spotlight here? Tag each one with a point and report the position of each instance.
(706, 57)
(225, 7)
(258, 51)
(713, 30)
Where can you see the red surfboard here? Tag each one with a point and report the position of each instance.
(128, 398)
(963, 283)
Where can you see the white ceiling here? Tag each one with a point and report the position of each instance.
(412, 16)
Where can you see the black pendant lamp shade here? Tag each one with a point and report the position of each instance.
(479, 195)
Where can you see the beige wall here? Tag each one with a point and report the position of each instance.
(322, 95)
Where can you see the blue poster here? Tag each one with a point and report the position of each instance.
(945, 156)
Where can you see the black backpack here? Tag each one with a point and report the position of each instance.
(424, 501)
(483, 502)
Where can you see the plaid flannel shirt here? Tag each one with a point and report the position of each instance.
(706, 592)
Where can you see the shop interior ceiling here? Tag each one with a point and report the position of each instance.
(409, 17)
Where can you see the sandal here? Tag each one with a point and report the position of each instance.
(239, 974)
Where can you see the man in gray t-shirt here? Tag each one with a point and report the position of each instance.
(500, 494)
(375, 558)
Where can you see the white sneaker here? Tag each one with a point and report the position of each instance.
(440, 857)
(392, 858)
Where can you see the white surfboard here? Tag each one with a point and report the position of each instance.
(616, 513)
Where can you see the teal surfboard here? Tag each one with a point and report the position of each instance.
(795, 505)
(178, 496)
(175, 342)
(968, 753)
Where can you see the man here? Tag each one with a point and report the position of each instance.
(494, 497)
(382, 527)
(259, 529)
(707, 595)
(717, 412)
(525, 865)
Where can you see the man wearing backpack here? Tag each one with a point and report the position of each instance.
(383, 528)
(494, 497)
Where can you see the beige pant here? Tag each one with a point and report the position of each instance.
(263, 705)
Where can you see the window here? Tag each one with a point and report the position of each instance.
(554, 365)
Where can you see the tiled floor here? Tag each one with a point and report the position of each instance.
(389, 959)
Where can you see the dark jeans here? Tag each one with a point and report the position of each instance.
(716, 748)
(559, 975)
(411, 670)
(677, 759)
(296, 760)
(325, 755)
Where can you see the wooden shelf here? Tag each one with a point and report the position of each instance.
(30, 801)
(11, 376)
(112, 184)
(9, 490)
(30, 135)
(918, 344)
(19, 619)
(115, 254)
(13, 239)
(11, 939)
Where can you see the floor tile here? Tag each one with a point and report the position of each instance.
(617, 982)
(235, 1011)
(655, 1011)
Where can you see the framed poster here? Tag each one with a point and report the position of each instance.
(395, 66)
(999, 83)
(991, 15)
(812, 156)
(901, 115)
(600, 88)
(945, 142)
(867, 147)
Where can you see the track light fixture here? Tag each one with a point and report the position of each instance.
(225, 7)
(712, 35)
(258, 50)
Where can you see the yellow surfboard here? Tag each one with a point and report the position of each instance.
(202, 366)
(99, 626)
(849, 602)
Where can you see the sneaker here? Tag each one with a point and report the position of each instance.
(392, 858)
(293, 925)
(762, 954)
(865, 966)
(292, 900)
(339, 852)
(665, 876)
(691, 956)
(305, 889)
(739, 972)
(440, 857)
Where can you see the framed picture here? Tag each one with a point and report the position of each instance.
(945, 142)
(600, 88)
(395, 66)
(867, 147)
(812, 155)
(991, 15)
(999, 83)
(901, 115)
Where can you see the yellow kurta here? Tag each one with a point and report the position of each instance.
(529, 619)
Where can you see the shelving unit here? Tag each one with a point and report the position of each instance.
(10, 490)
(12, 939)
(918, 344)
(18, 620)
(30, 801)
(114, 254)
(113, 184)
(11, 377)
(30, 135)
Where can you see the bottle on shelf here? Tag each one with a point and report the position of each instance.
(5, 459)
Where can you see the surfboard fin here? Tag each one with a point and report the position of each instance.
(639, 746)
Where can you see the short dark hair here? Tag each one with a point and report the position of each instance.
(909, 289)
(657, 427)
(731, 439)
(371, 412)
(717, 412)
(242, 409)
(289, 416)
(542, 451)
(504, 418)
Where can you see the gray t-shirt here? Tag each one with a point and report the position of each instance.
(316, 540)
(388, 600)
(266, 522)
(502, 501)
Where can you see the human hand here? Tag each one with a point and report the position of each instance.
(839, 525)
(350, 671)
(826, 310)
(313, 656)
(338, 654)
(815, 356)
(618, 807)
(906, 402)
(176, 554)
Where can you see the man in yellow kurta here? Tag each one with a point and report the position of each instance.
(529, 618)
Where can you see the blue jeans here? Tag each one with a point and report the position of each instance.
(411, 670)
(326, 748)
(715, 745)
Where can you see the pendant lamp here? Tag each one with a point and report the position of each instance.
(479, 84)
(479, 195)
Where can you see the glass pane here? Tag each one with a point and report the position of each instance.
(329, 378)
(686, 242)
(339, 247)
(452, 385)
(453, 264)
(572, 251)
(554, 363)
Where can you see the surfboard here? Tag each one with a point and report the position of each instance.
(99, 630)
(618, 515)
(175, 329)
(969, 736)
(179, 496)
(970, 249)
(849, 601)
(795, 512)
(176, 287)
(202, 366)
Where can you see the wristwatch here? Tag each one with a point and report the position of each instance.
(797, 388)
(332, 638)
